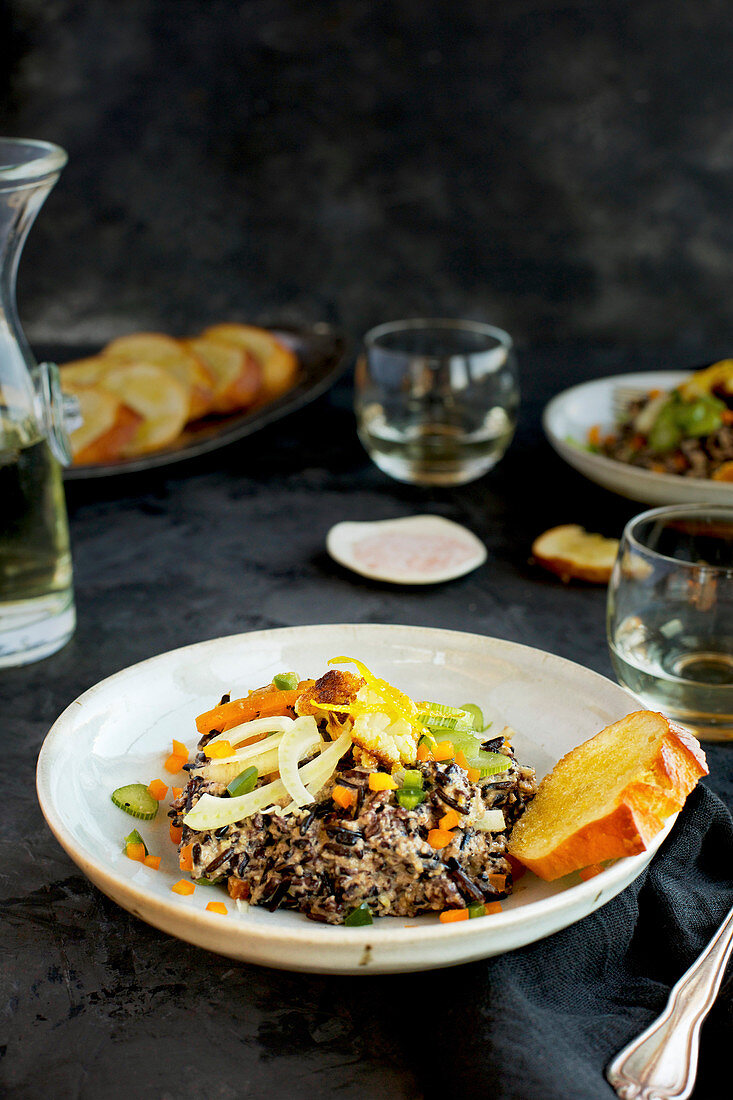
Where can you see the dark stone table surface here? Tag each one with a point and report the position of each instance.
(96, 1003)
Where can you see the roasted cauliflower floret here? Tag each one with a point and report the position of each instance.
(392, 741)
(333, 687)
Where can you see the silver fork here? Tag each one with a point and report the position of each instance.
(661, 1063)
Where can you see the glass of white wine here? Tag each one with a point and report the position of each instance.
(670, 615)
(436, 400)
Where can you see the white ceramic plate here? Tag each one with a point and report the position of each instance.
(569, 416)
(120, 732)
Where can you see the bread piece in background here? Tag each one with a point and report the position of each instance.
(173, 356)
(82, 372)
(279, 364)
(236, 373)
(574, 554)
(609, 797)
(160, 400)
(108, 425)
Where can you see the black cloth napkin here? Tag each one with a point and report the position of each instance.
(541, 1023)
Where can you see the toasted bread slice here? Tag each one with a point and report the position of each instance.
(608, 797)
(574, 554)
(279, 364)
(236, 373)
(170, 355)
(107, 425)
(157, 397)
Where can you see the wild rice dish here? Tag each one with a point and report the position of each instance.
(346, 800)
(688, 431)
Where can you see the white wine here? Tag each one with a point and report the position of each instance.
(435, 453)
(36, 599)
(678, 667)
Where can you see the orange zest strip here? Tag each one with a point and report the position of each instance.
(175, 763)
(153, 862)
(450, 820)
(449, 916)
(343, 797)
(380, 781)
(220, 749)
(260, 704)
(492, 907)
(185, 859)
(498, 881)
(158, 789)
(183, 887)
(444, 751)
(176, 792)
(590, 872)
(217, 907)
(423, 753)
(439, 838)
(136, 852)
(176, 833)
(473, 774)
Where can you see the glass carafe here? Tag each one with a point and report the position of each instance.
(36, 596)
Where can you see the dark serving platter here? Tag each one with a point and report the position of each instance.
(321, 352)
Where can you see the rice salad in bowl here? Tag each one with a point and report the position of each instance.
(344, 799)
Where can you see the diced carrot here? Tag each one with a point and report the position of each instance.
(728, 416)
(657, 467)
(450, 820)
(152, 861)
(343, 797)
(183, 887)
(590, 872)
(220, 749)
(259, 704)
(594, 435)
(474, 775)
(423, 753)
(439, 838)
(654, 393)
(444, 751)
(217, 907)
(158, 789)
(679, 462)
(179, 748)
(498, 881)
(492, 907)
(185, 858)
(461, 760)
(518, 869)
(175, 763)
(638, 442)
(176, 833)
(449, 916)
(136, 852)
(380, 781)
(176, 792)
(237, 888)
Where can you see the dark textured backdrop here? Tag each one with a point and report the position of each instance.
(563, 169)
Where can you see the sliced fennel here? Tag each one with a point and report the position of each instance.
(213, 813)
(223, 771)
(279, 723)
(491, 821)
(301, 738)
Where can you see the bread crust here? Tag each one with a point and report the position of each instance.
(561, 550)
(629, 819)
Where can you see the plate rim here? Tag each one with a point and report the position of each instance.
(636, 474)
(251, 421)
(316, 935)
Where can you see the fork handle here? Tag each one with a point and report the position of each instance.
(661, 1063)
